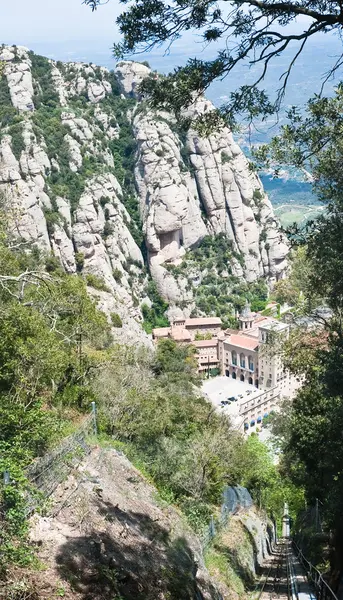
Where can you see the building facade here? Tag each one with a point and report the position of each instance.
(252, 410)
(202, 332)
(249, 354)
(207, 355)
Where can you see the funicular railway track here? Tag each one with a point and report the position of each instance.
(277, 584)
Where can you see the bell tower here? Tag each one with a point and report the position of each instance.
(246, 318)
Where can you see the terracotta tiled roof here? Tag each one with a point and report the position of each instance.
(205, 343)
(243, 341)
(181, 335)
(203, 321)
(161, 332)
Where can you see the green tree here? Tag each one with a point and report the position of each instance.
(296, 289)
(256, 34)
(172, 357)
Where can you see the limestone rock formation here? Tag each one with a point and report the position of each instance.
(18, 73)
(87, 170)
(130, 75)
(215, 193)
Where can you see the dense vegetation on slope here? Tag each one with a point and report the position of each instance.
(57, 356)
(311, 430)
(217, 291)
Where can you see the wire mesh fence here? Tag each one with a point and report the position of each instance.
(48, 471)
(234, 498)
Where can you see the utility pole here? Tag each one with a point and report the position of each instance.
(95, 427)
(285, 522)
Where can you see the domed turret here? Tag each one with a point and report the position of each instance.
(246, 318)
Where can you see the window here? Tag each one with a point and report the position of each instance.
(242, 360)
(251, 363)
(234, 357)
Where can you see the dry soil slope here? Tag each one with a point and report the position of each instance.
(110, 537)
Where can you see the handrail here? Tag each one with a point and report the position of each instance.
(324, 591)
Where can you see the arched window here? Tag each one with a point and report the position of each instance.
(233, 375)
(242, 360)
(251, 363)
(234, 357)
(250, 380)
(242, 377)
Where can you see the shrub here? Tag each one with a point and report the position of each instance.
(52, 264)
(108, 229)
(257, 195)
(96, 282)
(17, 143)
(80, 261)
(117, 274)
(104, 200)
(263, 236)
(52, 218)
(225, 157)
(116, 320)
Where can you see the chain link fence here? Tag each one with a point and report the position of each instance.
(234, 498)
(47, 472)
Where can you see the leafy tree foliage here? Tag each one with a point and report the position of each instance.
(154, 316)
(51, 340)
(255, 33)
(150, 404)
(311, 431)
(296, 289)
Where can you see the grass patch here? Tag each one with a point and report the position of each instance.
(218, 564)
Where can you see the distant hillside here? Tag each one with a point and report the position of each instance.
(121, 195)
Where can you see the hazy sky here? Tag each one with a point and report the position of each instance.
(56, 20)
(47, 22)
(68, 30)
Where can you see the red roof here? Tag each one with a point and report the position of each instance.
(180, 335)
(205, 343)
(203, 321)
(161, 331)
(243, 341)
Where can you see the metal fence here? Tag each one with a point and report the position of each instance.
(234, 498)
(322, 588)
(47, 472)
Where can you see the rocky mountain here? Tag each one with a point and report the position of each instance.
(120, 194)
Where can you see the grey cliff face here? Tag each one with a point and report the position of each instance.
(218, 194)
(66, 175)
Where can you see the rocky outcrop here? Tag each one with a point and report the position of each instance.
(214, 193)
(234, 200)
(130, 75)
(18, 73)
(129, 544)
(66, 169)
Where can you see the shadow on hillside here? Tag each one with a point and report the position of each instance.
(239, 560)
(139, 562)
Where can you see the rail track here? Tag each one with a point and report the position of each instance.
(277, 584)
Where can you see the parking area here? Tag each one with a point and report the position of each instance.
(222, 388)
